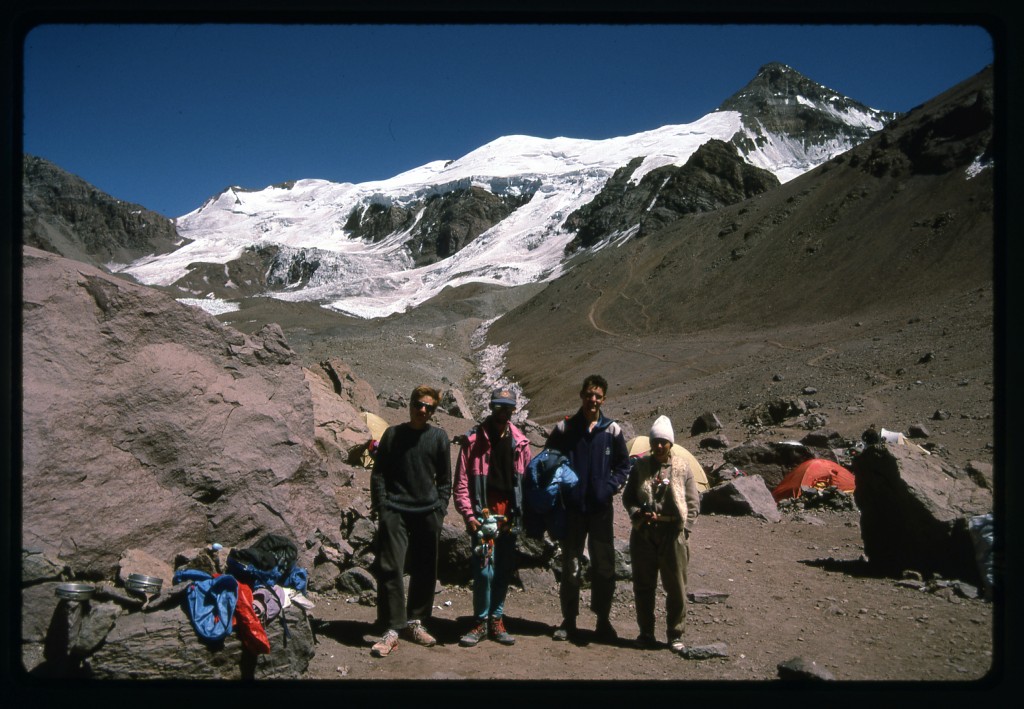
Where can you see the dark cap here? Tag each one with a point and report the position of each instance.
(503, 397)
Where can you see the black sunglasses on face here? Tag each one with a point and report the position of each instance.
(423, 405)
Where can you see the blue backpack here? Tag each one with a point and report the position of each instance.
(547, 476)
(210, 602)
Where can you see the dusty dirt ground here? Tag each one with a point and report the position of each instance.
(795, 588)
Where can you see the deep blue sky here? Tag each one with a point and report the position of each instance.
(168, 115)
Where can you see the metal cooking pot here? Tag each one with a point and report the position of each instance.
(143, 584)
(75, 591)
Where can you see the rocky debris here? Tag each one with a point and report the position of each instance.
(916, 512)
(797, 668)
(743, 495)
(776, 412)
(705, 652)
(825, 442)
(537, 579)
(829, 498)
(37, 567)
(356, 581)
(705, 423)
(952, 589)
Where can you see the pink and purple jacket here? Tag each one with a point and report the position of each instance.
(473, 465)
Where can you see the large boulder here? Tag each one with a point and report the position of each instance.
(148, 424)
(742, 495)
(163, 645)
(915, 512)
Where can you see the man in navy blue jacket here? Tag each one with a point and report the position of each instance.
(596, 449)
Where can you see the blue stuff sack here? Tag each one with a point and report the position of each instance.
(210, 602)
(547, 476)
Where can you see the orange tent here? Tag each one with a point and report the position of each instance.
(816, 472)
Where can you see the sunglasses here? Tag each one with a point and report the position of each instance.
(430, 408)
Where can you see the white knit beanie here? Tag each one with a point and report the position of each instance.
(662, 428)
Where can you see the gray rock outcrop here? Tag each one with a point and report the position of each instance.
(915, 512)
(743, 495)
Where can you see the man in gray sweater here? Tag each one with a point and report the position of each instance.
(410, 486)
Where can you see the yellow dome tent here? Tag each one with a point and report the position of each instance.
(641, 446)
(377, 426)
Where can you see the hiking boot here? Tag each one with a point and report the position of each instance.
(499, 634)
(565, 631)
(646, 642)
(605, 632)
(386, 645)
(418, 634)
(475, 635)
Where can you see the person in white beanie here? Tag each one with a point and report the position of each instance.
(663, 502)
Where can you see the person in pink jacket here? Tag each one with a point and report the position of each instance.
(489, 496)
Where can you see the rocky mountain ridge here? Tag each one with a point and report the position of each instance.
(63, 214)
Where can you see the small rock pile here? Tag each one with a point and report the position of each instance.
(829, 498)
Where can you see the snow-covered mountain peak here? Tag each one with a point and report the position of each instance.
(494, 215)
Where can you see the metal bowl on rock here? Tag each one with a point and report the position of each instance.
(75, 591)
(143, 584)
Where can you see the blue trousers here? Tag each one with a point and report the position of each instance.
(491, 580)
